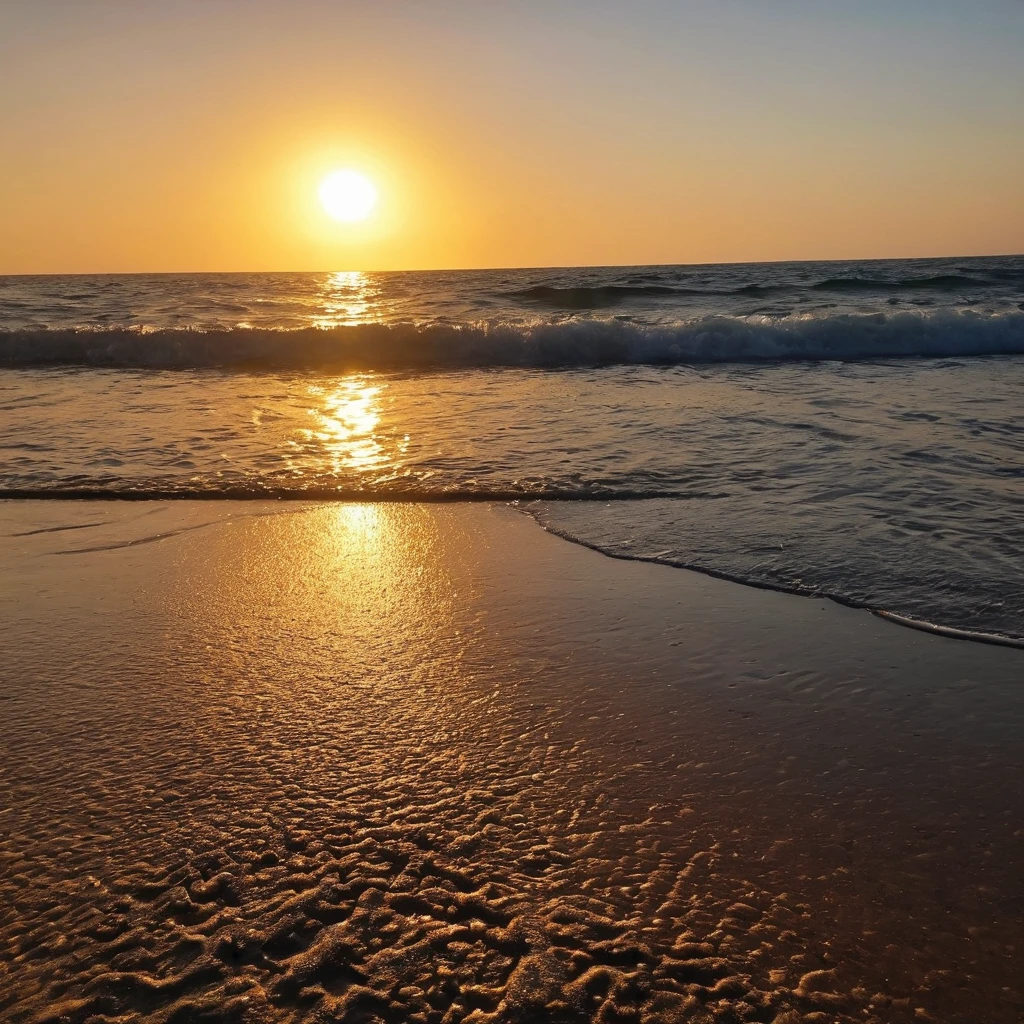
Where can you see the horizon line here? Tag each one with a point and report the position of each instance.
(512, 269)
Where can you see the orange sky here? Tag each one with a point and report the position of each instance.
(142, 138)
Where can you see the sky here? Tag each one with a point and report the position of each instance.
(192, 136)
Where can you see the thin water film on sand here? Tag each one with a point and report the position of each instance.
(356, 763)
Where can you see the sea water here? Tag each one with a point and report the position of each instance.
(852, 430)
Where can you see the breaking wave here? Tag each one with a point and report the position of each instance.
(583, 343)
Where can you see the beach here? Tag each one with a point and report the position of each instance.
(511, 514)
(282, 761)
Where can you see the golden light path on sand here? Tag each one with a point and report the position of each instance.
(428, 763)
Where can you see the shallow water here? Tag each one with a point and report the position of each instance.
(849, 429)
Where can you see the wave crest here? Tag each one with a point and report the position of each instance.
(582, 297)
(574, 343)
(936, 282)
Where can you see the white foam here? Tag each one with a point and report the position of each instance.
(572, 343)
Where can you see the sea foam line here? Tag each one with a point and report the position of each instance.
(907, 621)
(522, 501)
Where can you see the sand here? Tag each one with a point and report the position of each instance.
(270, 762)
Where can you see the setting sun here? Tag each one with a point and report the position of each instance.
(507, 511)
(348, 196)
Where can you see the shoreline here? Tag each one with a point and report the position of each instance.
(906, 621)
(518, 502)
(415, 760)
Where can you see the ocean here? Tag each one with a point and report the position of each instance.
(847, 430)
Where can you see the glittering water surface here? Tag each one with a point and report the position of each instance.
(549, 318)
(659, 295)
(850, 429)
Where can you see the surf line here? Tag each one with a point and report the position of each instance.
(949, 632)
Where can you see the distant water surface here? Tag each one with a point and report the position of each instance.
(847, 429)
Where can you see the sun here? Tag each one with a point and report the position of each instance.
(348, 196)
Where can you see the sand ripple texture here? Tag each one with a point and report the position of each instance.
(368, 763)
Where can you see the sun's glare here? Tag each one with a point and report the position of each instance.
(348, 196)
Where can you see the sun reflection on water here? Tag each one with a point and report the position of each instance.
(348, 415)
(347, 297)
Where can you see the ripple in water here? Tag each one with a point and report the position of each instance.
(770, 443)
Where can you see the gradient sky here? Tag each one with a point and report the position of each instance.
(146, 136)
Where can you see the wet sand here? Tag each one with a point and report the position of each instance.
(429, 763)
